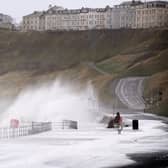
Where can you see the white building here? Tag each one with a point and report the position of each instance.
(135, 15)
(6, 21)
(124, 15)
(131, 14)
(58, 18)
(78, 19)
(34, 21)
(152, 14)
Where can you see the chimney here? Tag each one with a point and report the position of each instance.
(50, 6)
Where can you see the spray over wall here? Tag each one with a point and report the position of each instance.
(53, 102)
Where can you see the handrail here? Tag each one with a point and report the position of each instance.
(35, 128)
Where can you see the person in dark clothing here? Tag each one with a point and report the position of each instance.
(116, 122)
(118, 119)
(111, 123)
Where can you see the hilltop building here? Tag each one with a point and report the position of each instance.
(152, 14)
(57, 18)
(79, 19)
(34, 21)
(6, 22)
(124, 15)
(132, 14)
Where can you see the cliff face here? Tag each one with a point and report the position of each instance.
(35, 57)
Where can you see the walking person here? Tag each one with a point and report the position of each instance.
(118, 122)
(118, 119)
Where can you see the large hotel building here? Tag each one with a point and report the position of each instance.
(132, 14)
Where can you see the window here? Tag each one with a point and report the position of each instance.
(91, 22)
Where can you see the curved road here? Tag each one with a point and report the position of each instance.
(129, 91)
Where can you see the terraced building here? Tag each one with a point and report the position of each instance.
(128, 15)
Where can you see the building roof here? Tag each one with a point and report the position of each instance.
(163, 2)
(130, 3)
(36, 13)
(55, 8)
(78, 11)
(156, 4)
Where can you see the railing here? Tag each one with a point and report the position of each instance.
(32, 128)
(35, 128)
(65, 124)
(40, 127)
(14, 132)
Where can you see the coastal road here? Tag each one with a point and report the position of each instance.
(130, 92)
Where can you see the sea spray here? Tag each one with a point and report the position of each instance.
(53, 102)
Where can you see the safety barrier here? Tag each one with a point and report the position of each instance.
(65, 124)
(40, 127)
(14, 132)
(35, 128)
(32, 128)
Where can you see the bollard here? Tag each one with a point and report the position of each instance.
(135, 124)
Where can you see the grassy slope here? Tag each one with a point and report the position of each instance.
(148, 58)
(145, 58)
(60, 50)
(118, 52)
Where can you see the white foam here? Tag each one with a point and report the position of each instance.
(52, 102)
(99, 147)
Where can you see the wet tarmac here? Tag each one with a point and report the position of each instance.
(149, 160)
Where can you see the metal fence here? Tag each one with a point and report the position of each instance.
(14, 132)
(35, 128)
(40, 127)
(65, 124)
